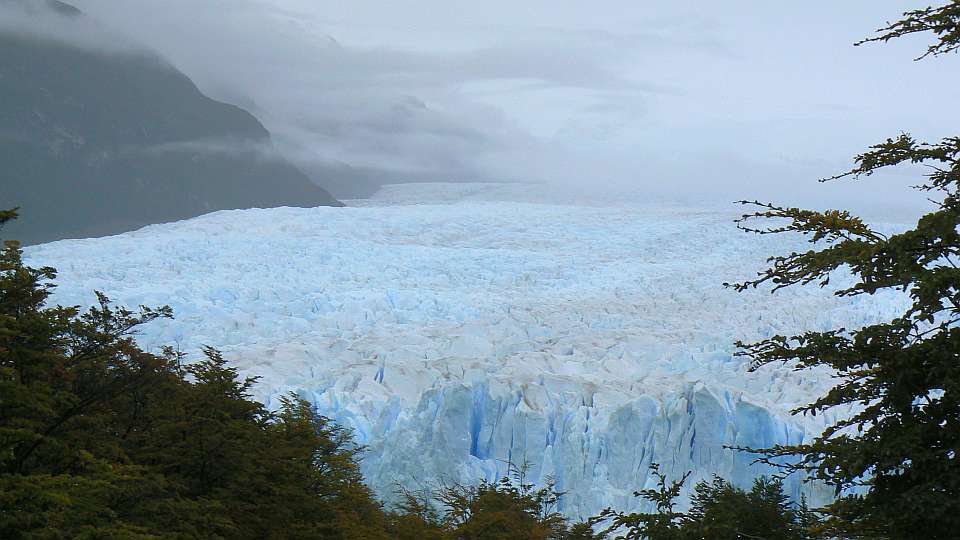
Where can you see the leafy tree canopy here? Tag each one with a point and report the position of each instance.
(893, 459)
(100, 439)
(718, 511)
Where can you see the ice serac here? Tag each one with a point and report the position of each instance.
(474, 330)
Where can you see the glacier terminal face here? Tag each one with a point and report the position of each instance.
(477, 328)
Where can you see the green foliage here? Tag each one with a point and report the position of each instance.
(417, 518)
(718, 511)
(664, 524)
(99, 439)
(508, 509)
(893, 458)
(7, 215)
(942, 21)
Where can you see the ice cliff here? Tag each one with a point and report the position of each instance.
(475, 329)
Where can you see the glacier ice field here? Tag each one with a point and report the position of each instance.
(459, 328)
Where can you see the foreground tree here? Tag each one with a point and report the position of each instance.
(100, 439)
(663, 524)
(721, 511)
(894, 459)
(510, 508)
(718, 511)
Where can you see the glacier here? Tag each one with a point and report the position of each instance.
(458, 328)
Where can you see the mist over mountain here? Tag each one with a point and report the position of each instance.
(99, 136)
(684, 100)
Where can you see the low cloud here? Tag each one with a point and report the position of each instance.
(262, 149)
(677, 99)
(58, 23)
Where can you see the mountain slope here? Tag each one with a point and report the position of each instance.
(97, 138)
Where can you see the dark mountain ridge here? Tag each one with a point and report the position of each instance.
(104, 138)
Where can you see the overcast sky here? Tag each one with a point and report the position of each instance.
(681, 98)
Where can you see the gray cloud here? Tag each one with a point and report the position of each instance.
(682, 99)
(33, 20)
(262, 150)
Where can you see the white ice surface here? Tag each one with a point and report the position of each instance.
(456, 335)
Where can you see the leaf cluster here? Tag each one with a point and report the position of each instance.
(890, 450)
(100, 439)
(941, 21)
(718, 511)
(506, 509)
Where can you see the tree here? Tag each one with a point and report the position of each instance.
(721, 511)
(100, 439)
(509, 509)
(60, 371)
(893, 460)
(718, 511)
(417, 518)
(663, 524)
